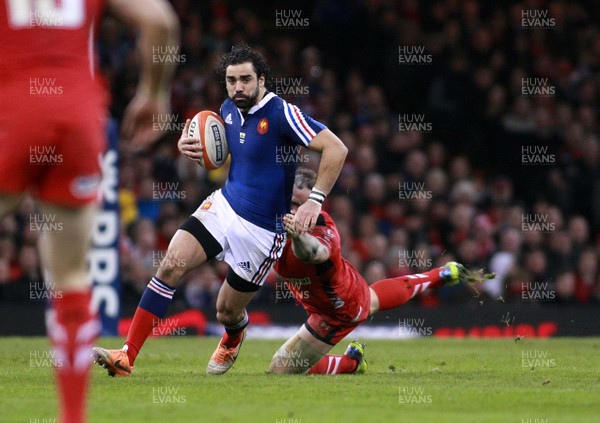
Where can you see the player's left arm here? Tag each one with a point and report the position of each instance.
(333, 154)
(305, 246)
(158, 27)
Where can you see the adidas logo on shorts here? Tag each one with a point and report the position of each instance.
(244, 265)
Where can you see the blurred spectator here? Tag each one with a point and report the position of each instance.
(586, 276)
(503, 261)
(565, 287)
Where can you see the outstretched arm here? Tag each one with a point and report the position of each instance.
(158, 29)
(333, 154)
(305, 246)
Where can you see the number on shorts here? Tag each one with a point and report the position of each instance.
(66, 14)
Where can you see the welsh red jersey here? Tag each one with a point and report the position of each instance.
(332, 288)
(48, 49)
(53, 102)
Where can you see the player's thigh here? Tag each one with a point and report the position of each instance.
(252, 251)
(183, 254)
(331, 329)
(65, 238)
(299, 353)
(374, 302)
(71, 168)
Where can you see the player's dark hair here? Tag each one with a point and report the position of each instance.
(305, 178)
(243, 53)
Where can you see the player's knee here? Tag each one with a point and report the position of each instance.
(170, 271)
(274, 369)
(289, 362)
(229, 316)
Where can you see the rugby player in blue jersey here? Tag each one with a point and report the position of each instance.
(240, 223)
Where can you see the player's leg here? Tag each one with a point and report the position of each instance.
(251, 255)
(200, 238)
(235, 294)
(72, 327)
(190, 247)
(390, 293)
(305, 353)
(67, 192)
(299, 353)
(183, 254)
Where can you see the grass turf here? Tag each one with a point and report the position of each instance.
(424, 380)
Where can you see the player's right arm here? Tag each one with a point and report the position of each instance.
(305, 246)
(158, 29)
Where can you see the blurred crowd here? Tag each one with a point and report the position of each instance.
(472, 130)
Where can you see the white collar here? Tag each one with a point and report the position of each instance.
(268, 96)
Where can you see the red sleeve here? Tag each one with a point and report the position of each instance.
(327, 234)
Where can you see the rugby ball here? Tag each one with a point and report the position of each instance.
(209, 128)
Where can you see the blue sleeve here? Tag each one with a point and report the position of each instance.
(297, 126)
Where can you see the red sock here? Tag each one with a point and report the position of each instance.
(234, 333)
(72, 330)
(153, 307)
(232, 339)
(396, 291)
(141, 326)
(333, 364)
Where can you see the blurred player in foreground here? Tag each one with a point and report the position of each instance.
(335, 295)
(240, 223)
(52, 133)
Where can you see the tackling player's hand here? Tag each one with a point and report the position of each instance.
(306, 216)
(290, 226)
(189, 147)
(139, 117)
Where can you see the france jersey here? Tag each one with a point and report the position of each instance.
(264, 145)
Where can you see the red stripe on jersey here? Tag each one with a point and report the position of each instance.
(302, 122)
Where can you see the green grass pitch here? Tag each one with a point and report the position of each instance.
(421, 380)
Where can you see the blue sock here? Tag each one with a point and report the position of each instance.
(157, 297)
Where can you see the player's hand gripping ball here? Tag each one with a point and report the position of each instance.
(210, 129)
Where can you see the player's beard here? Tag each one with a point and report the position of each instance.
(244, 102)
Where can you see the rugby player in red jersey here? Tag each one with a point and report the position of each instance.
(335, 295)
(52, 132)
